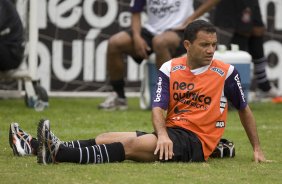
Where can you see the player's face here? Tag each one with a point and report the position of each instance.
(201, 51)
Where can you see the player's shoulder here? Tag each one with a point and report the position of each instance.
(170, 65)
(179, 60)
(223, 67)
(166, 68)
(220, 63)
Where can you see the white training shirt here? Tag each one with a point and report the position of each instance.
(164, 14)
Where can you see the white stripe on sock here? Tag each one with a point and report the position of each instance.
(94, 153)
(80, 155)
(78, 144)
(106, 153)
(102, 160)
(87, 155)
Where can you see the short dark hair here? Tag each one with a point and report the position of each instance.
(190, 32)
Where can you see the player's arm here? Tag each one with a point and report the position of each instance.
(160, 104)
(202, 9)
(235, 94)
(140, 45)
(249, 124)
(136, 24)
(164, 144)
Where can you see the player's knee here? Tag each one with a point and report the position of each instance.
(258, 31)
(129, 145)
(113, 42)
(159, 44)
(104, 138)
(117, 41)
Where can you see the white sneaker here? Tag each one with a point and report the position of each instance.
(113, 102)
(19, 140)
(273, 95)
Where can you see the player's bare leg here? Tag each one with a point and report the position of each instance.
(140, 148)
(136, 148)
(111, 137)
(118, 45)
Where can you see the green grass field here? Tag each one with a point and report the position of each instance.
(73, 119)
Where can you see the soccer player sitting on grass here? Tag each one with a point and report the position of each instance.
(194, 91)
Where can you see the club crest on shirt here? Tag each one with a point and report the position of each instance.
(178, 67)
(217, 70)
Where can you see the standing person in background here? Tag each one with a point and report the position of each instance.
(11, 36)
(242, 24)
(158, 35)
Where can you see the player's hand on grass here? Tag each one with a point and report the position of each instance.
(259, 156)
(164, 148)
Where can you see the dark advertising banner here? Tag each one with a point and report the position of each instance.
(73, 38)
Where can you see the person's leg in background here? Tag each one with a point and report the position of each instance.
(257, 52)
(253, 44)
(163, 45)
(119, 45)
(242, 40)
(224, 36)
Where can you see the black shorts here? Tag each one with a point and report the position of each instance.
(186, 145)
(148, 37)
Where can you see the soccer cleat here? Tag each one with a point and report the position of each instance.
(48, 143)
(228, 148)
(218, 152)
(19, 140)
(113, 102)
